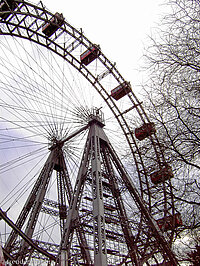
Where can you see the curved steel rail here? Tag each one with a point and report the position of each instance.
(26, 22)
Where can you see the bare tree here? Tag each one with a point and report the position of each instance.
(172, 95)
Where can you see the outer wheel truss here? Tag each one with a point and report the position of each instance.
(26, 22)
(140, 242)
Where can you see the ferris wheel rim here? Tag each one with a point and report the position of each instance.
(80, 37)
(119, 115)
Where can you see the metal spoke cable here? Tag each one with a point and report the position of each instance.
(29, 138)
(22, 189)
(18, 125)
(21, 160)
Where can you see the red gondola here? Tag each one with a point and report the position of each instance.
(91, 54)
(55, 22)
(145, 131)
(161, 175)
(121, 90)
(170, 222)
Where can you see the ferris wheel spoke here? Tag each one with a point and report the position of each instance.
(7, 166)
(54, 86)
(33, 96)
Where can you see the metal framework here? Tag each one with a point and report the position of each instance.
(97, 225)
(103, 170)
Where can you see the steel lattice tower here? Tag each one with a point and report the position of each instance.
(100, 180)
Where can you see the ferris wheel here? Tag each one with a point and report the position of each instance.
(84, 179)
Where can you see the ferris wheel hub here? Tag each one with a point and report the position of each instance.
(55, 143)
(96, 116)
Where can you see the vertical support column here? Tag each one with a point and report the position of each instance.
(30, 205)
(65, 184)
(37, 204)
(100, 252)
(129, 238)
(64, 258)
(72, 217)
(61, 201)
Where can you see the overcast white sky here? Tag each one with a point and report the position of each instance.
(119, 27)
